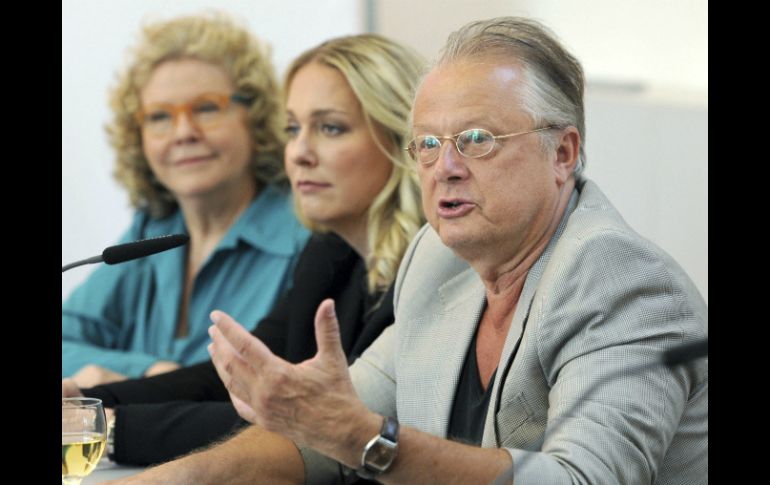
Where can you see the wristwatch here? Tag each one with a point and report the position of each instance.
(380, 451)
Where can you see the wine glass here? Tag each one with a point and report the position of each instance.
(83, 437)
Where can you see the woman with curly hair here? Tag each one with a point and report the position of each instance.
(198, 133)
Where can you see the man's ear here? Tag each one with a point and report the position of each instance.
(567, 152)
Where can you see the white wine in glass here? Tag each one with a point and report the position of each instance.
(83, 437)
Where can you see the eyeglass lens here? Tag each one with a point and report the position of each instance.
(204, 111)
(470, 143)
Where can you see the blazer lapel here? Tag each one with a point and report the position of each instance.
(490, 438)
(507, 364)
(440, 340)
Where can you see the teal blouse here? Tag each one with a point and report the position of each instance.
(124, 316)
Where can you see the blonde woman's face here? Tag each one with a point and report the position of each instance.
(334, 164)
(193, 160)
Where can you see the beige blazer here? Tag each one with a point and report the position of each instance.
(600, 299)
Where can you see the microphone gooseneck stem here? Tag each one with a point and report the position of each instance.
(91, 260)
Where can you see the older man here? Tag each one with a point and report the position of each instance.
(529, 316)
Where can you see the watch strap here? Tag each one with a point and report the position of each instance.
(389, 429)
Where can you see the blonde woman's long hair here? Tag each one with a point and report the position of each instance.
(212, 38)
(383, 75)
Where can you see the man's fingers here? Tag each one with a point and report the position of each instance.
(327, 331)
(232, 370)
(244, 344)
(216, 359)
(244, 410)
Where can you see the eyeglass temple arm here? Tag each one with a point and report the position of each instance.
(549, 127)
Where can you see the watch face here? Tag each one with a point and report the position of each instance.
(381, 454)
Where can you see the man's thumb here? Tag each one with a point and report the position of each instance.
(327, 329)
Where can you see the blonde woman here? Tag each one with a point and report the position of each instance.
(197, 130)
(347, 105)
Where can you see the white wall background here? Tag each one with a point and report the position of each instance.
(95, 38)
(655, 42)
(646, 63)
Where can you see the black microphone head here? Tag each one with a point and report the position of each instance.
(686, 352)
(145, 247)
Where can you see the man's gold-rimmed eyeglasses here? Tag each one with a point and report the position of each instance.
(204, 111)
(473, 143)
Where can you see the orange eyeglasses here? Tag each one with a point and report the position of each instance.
(205, 111)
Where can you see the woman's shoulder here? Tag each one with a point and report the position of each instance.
(328, 246)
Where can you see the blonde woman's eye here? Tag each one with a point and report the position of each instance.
(291, 130)
(332, 130)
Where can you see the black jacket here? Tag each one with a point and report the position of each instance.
(162, 417)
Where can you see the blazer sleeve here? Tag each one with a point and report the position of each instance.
(611, 306)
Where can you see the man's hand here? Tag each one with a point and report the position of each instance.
(311, 403)
(93, 375)
(69, 388)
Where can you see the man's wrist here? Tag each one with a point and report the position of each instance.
(360, 433)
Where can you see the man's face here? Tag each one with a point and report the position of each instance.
(501, 204)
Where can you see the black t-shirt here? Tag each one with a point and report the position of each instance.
(469, 411)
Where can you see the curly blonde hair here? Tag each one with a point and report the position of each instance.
(383, 75)
(212, 38)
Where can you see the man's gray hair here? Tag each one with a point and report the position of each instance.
(554, 85)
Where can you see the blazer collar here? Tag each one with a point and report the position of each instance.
(520, 316)
(441, 340)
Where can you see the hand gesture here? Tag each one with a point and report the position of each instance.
(312, 403)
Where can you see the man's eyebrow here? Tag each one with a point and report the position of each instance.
(470, 123)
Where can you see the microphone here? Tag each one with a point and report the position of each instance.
(133, 250)
(679, 355)
(686, 352)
